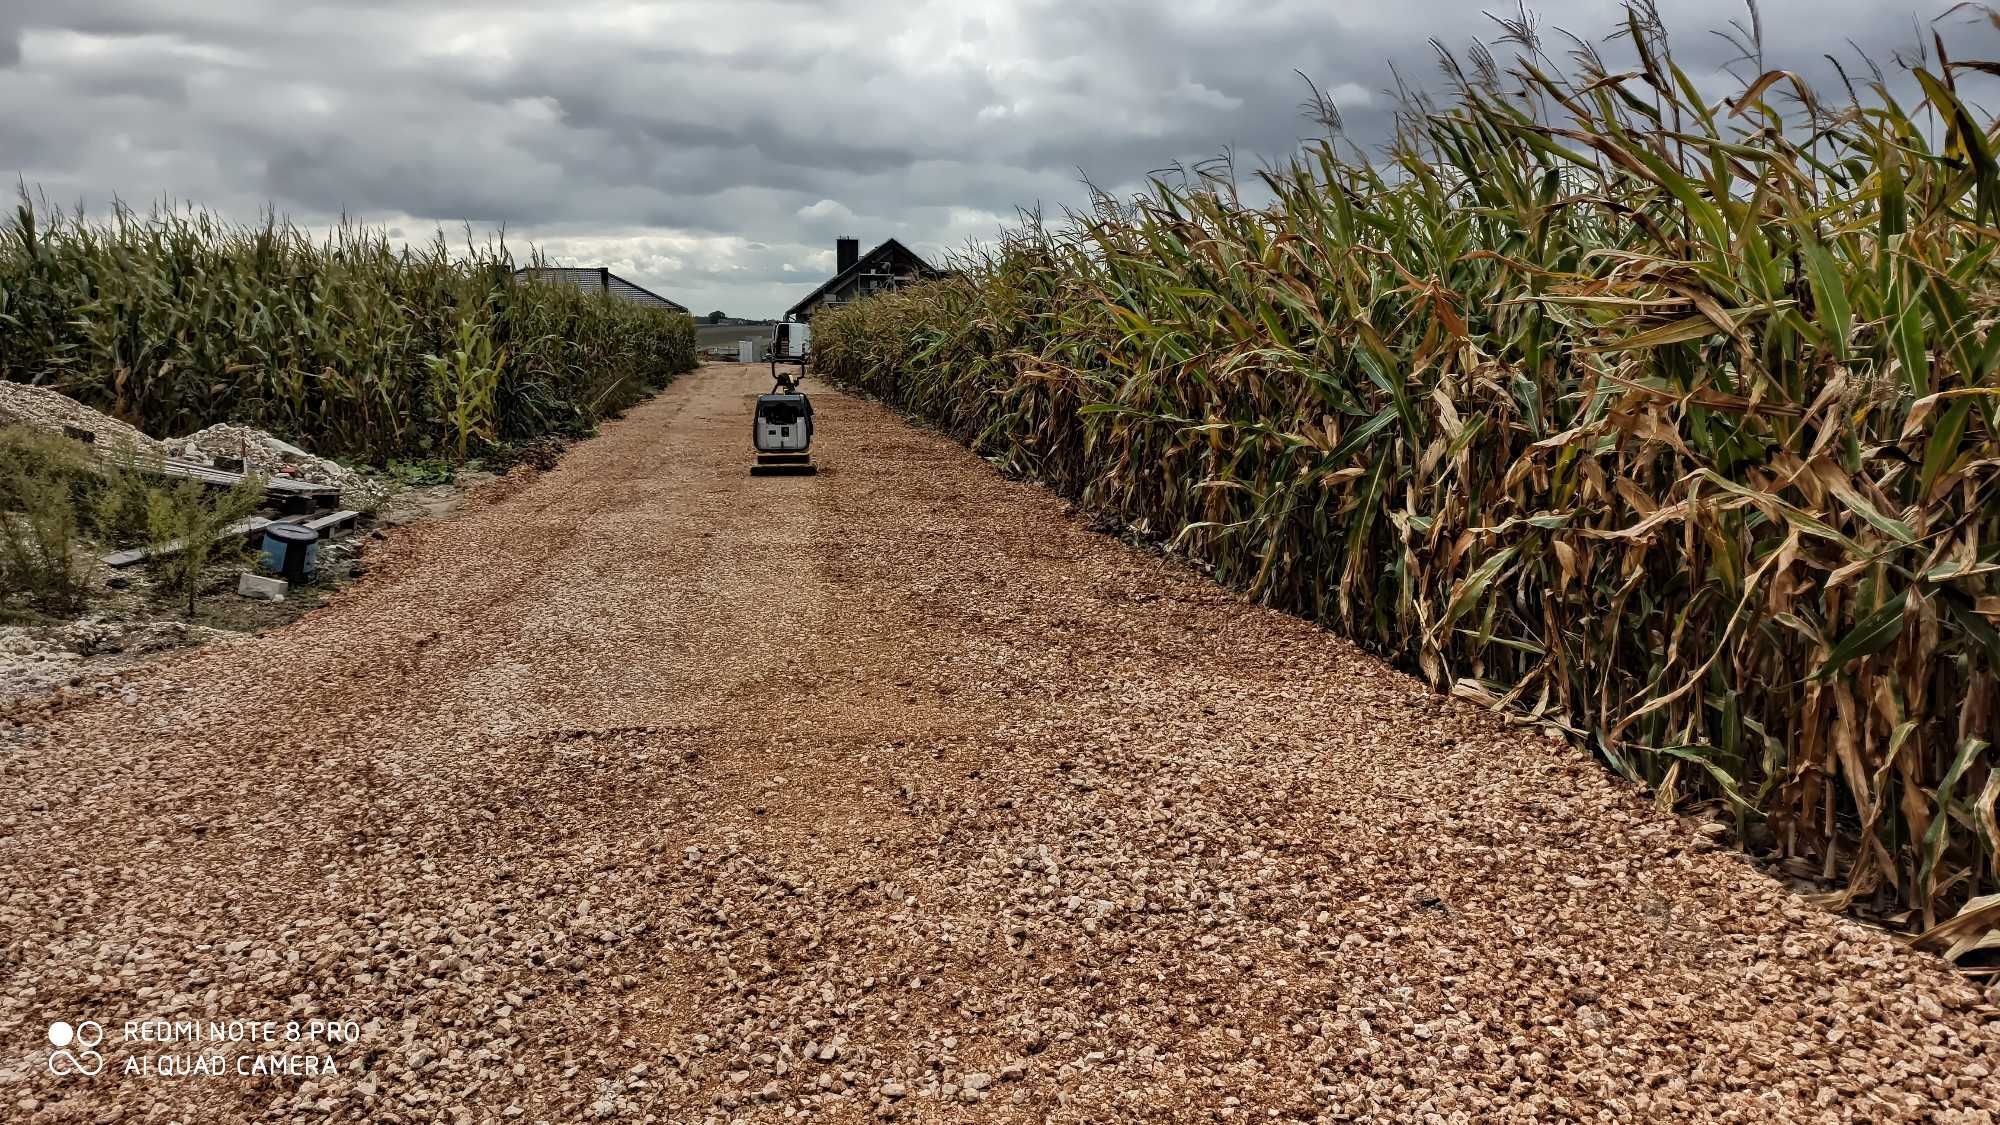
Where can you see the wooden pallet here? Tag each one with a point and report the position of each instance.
(331, 524)
(327, 525)
(279, 490)
(252, 526)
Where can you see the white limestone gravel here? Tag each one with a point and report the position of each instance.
(90, 652)
(49, 410)
(650, 791)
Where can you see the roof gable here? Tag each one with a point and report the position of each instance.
(890, 249)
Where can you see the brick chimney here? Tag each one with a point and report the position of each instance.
(846, 252)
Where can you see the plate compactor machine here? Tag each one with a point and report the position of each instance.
(781, 429)
(781, 432)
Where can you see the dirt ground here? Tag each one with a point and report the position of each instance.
(647, 790)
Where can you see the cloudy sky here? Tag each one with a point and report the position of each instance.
(714, 150)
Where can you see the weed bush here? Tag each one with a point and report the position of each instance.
(39, 525)
(185, 521)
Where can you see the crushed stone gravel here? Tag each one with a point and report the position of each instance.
(36, 658)
(41, 408)
(649, 791)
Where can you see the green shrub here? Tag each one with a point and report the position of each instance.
(192, 517)
(39, 483)
(118, 501)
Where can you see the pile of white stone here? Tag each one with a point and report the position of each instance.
(50, 411)
(267, 455)
(40, 408)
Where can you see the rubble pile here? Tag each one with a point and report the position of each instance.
(47, 410)
(39, 408)
(270, 456)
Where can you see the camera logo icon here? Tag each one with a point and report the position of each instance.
(74, 1053)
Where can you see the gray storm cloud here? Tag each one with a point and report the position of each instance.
(713, 150)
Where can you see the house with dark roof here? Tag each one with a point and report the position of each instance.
(855, 275)
(597, 279)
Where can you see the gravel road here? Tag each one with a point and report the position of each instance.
(645, 790)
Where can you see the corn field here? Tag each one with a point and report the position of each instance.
(176, 320)
(1666, 422)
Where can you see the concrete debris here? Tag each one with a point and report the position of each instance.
(50, 411)
(35, 659)
(259, 586)
(263, 453)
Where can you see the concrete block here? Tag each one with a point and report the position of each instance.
(257, 586)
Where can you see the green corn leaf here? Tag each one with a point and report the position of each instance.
(1474, 585)
(1829, 294)
(1724, 782)
(1935, 836)
(1869, 636)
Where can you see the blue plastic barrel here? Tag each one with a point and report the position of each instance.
(291, 549)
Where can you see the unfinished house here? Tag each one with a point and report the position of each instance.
(597, 279)
(856, 275)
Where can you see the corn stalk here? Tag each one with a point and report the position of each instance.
(175, 320)
(1667, 423)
